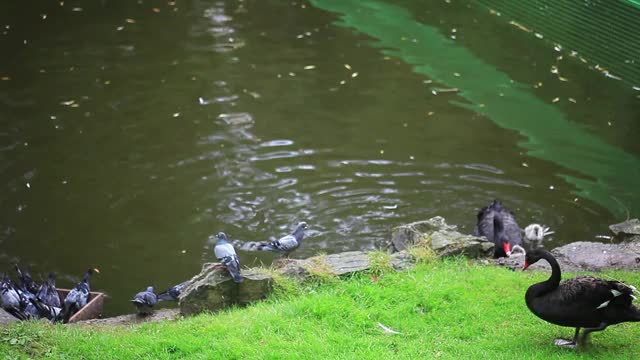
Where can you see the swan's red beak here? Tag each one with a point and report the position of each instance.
(507, 248)
(526, 265)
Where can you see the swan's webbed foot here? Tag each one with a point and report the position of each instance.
(572, 344)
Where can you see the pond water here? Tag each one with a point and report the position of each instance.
(131, 131)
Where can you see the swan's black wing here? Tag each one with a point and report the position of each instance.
(594, 292)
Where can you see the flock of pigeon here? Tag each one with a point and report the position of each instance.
(582, 302)
(26, 300)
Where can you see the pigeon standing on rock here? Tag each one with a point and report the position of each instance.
(285, 245)
(78, 296)
(225, 252)
(173, 293)
(145, 300)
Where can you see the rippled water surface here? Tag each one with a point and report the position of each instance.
(130, 131)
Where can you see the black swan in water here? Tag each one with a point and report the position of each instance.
(499, 225)
(581, 302)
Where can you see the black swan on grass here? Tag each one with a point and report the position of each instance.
(581, 302)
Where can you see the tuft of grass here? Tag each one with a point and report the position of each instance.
(379, 263)
(285, 287)
(423, 254)
(320, 272)
(449, 309)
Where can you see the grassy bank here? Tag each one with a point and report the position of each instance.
(446, 310)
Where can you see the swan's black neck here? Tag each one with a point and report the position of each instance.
(550, 284)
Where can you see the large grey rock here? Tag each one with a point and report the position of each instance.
(626, 231)
(584, 256)
(448, 243)
(444, 239)
(213, 290)
(404, 236)
(347, 262)
(6, 318)
(402, 260)
(131, 319)
(595, 256)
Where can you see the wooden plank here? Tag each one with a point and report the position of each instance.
(92, 310)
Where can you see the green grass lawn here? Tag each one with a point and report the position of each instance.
(448, 309)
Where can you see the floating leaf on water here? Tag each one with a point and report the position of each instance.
(5, 78)
(427, 81)
(555, 100)
(347, 66)
(412, 157)
(355, 74)
(557, 48)
(554, 69)
(609, 123)
(155, 10)
(68, 103)
(201, 101)
(551, 187)
(130, 21)
(519, 26)
(75, 105)
(573, 100)
(342, 82)
(381, 152)
(456, 74)
(562, 78)
(292, 74)
(184, 251)
(43, 16)
(175, 115)
(236, 118)
(430, 113)
(637, 88)
(309, 67)
(120, 28)
(525, 164)
(539, 36)
(77, 9)
(583, 59)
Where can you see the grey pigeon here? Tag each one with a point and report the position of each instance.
(78, 297)
(173, 293)
(43, 310)
(145, 300)
(225, 252)
(26, 282)
(12, 300)
(287, 244)
(48, 293)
